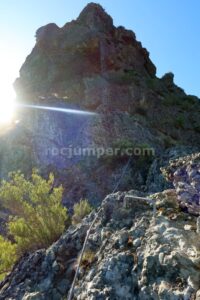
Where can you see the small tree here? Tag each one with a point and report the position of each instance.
(81, 209)
(7, 256)
(37, 215)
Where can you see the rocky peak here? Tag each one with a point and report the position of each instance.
(92, 65)
(47, 31)
(65, 60)
(95, 17)
(168, 79)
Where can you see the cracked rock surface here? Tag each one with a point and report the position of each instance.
(129, 255)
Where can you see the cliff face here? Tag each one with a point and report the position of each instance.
(131, 253)
(90, 64)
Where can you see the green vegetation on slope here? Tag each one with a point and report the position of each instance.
(37, 217)
(81, 209)
(7, 256)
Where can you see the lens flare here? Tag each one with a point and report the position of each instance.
(59, 109)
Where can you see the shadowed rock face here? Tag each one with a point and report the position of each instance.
(90, 64)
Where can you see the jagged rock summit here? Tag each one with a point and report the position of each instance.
(95, 17)
(81, 57)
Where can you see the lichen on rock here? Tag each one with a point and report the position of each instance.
(184, 172)
(132, 255)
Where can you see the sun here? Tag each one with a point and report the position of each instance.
(7, 93)
(7, 107)
(6, 112)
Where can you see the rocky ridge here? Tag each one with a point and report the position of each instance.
(131, 253)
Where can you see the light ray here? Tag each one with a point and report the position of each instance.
(59, 109)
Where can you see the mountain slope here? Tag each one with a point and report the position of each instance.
(92, 65)
(131, 252)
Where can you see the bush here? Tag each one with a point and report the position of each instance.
(7, 256)
(179, 122)
(88, 258)
(131, 76)
(37, 215)
(184, 103)
(124, 149)
(81, 209)
(155, 84)
(141, 111)
(119, 152)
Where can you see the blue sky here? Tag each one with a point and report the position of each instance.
(169, 29)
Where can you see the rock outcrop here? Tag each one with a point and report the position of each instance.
(77, 59)
(131, 253)
(185, 175)
(158, 181)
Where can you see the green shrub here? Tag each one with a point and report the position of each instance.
(81, 209)
(185, 103)
(171, 100)
(123, 145)
(7, 256)
(169, 141)
(126, 148)
(155, 84)
(88, 258)
(141, 111)
(197, 129)
(131, 76)
(119, 148)
(179, 122)
(37, 215)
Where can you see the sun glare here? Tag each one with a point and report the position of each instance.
(8, 73)
(7, 105)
